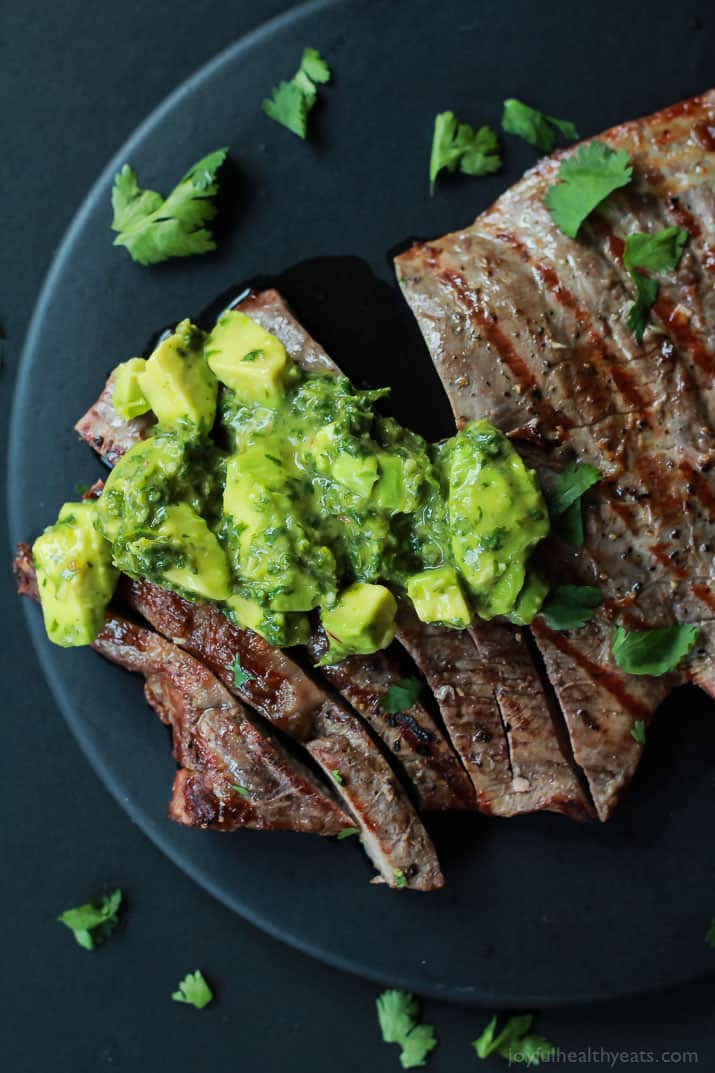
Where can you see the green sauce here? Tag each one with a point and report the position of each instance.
(303, 497)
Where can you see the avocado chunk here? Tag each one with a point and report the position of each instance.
(179, 551)
(139, 484)
(496, 514)
(282, 629)
(357, 472)
(247, 358)
(396, 487)
(438, 597)
(362, 621)
(178, 383)
(75, 576)
(530, 599)
(272, 553)
(127, 397)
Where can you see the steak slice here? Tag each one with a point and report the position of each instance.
(528, 328)
(106, 432)
(391, 831)
(412, 735)
(525, 771)
(230, 775)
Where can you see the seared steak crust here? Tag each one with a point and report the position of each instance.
(391, 831)
(412, 735)
(524, 771)
(528, 329)
(106, 432)
(231, 774)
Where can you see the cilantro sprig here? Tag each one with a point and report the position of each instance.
(457, 145)
(638, 732)
(660, 252)
(153, 228)
(238, 674)
(290, 102)
(535, 127)
(193, 990)
(400, 695)
(565, 500)
(398, 1014)
(584, 180)
(652, 652)
(646, 294)
(94, 921)
(568, 607)
(514, 1041)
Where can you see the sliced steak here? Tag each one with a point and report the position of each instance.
(230, 775)
(528, 329)
(439, 779)
(391, 831)
(412, 735)
(108, 433)
(525, 771)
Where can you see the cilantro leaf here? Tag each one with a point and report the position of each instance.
(400, 879)
(568, 607)
(94, 921)
(289, 106)
(575, 479)
(242, 790)
(154, 228)
(638, 732)
(290, 102)
(646, 294)
(533, 126)
(193, 990)
(585, 179)
(401, 695)
(659, 252)
(347, 832)
(475, 152)
(710, 934)
(240, 676)
(417, 1046)
(515, 1042)
(564, 500)
(314, 66)
(398, 1016)
(337, 776)
(652, 652)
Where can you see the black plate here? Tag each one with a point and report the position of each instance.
(535, 909)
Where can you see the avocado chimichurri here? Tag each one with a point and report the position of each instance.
(278, 492)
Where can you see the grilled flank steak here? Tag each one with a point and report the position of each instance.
(231, 774)
(390, 829)
(529, 328)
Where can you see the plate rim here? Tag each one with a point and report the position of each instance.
(150, 826)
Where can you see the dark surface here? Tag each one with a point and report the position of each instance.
(75, 87)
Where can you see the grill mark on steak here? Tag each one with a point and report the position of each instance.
(214, 742)
(391, 832)
(412, 735)
(665, 386)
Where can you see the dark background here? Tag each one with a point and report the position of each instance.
(75, 79)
